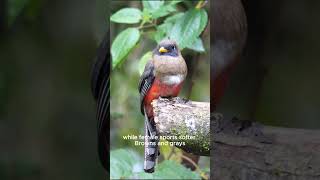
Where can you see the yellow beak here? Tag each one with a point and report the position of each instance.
(163, 50)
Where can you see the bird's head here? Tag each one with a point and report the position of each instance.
(167, 48)
(168, 60)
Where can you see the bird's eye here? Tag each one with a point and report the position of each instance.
(173, 47)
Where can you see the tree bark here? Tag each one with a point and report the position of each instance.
(240, 149)
(263, 152)
(186, 119)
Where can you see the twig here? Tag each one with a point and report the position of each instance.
(202, 174)
(201, 4)
(172, 152)
(147, 26)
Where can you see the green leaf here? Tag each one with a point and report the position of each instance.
(123, 44)
(189, 27)
(175, 1)
(172, 169)
(168, 170)
(173, 18)
(166, 27)
(161, 31)
(197, 45)
(127, 164)
(157, 9)
(124, 162)
(143, 61)
(146, 15)
(152, 5)
(163, 11)
(127, 15)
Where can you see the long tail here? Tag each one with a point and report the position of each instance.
(151, 149)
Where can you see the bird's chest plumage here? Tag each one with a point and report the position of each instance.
(167, 86)
(159, 88)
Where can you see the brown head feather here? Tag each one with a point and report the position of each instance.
(169, 65)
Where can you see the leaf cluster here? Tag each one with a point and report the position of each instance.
(126, 164)
(185, 27)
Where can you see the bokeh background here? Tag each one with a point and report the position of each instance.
(277, 81)
(47, 112)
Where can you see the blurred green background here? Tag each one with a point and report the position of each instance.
(47, 112)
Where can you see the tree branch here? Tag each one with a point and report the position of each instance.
(252, 151)
(182, 118)
(240, 149)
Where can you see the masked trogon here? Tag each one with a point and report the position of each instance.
(229, 36)
(162, 77)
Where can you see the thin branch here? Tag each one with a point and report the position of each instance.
(202, 174)
(171, 152)
(147, 26)
(201, 4)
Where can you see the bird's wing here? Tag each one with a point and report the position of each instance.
(145, 82)
(100, 81)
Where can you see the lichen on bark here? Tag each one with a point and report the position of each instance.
(181, 118)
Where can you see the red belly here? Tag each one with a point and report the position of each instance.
(159, 90)
(219, 86)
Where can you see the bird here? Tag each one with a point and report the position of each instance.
(229, 37)
(163, 76)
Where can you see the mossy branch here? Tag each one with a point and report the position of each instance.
(189, 120)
